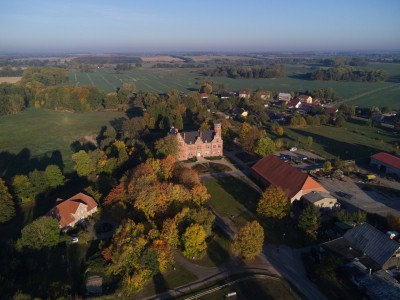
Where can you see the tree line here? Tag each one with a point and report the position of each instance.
(246, 72)
(348, 73)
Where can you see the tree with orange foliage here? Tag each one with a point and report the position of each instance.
(199, 194)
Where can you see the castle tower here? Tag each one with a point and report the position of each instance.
(217, 128)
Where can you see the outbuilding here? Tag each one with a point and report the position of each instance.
(386, 163)
(322, 200)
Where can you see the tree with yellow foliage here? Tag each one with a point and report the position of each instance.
(248, 241)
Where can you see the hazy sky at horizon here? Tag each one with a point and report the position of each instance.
(190, 25)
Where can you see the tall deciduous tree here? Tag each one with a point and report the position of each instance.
(167, 146)
(22, 188)
(41, 233)
(273, 203)
(7, 209)
(248, 242)
(309, 220)
(84, 165)
(54, 176)
(264, 147)
(194, 241)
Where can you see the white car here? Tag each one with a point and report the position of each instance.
(293, 149)
(75, 240)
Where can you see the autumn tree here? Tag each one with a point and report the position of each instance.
(41, 233)
(273, 203)
(199, 194)
(194, 241)
(248, 241)
(250, 139)
(7, 208)
(279, 130)
(186, 176)
(309, 220)
(264, 147)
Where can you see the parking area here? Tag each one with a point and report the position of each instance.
(301, 159)
(380, 199)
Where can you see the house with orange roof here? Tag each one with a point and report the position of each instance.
(271, 170)
(69, 212)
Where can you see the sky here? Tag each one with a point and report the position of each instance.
(122, 26)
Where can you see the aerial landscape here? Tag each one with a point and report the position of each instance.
(199, 150)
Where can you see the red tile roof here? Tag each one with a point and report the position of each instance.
(388, 159)
(281, 174)
(293, 102)
(65, 210)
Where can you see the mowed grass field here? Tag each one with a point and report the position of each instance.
(42, 132)
(163, 80)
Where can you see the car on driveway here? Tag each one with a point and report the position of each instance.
(293, 149)
(74, 240)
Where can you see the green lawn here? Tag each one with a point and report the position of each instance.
(353, 141)
(217, 250)
(169, 280)
(36, 137)
(233, 198)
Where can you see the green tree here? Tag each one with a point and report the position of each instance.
(248, 241)
(167, 146)
(194, 241)
(327, 166)
(309, 220)
(7, 209)
(84, 165)
(309, 141)
(273, 203)
(54, 176)
(340, 121)
(41, 233)
(22, 188)
(264, 147)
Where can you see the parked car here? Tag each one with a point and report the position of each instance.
(74, 240)
(293, 149)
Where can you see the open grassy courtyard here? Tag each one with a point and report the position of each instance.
(36, 137)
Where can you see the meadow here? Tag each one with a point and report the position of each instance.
(352, 141)
(40, 135)
(163, 80)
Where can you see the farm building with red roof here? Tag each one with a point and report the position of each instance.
(386, 163)
(271, 170)
(69, 212)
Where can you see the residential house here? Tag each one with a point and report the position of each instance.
(284, 97)
(271, 170)
(367, 245)
(294, 103)
(225, 96)
(331, 110)
(321, 200)
(71, 211)
(305, 99)
(386, 163)
(244, 94)
(203, 96)
(203, 143)
(238, 112)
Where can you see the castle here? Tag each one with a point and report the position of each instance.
(203, 143)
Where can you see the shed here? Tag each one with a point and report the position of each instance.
(322, 200)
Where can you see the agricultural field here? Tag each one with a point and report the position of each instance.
(163, 80)
(353, 141)
(9, 79)
(37, 136)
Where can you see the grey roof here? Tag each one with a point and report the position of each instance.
(372, 242)
(316, 196)
(190, 137)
